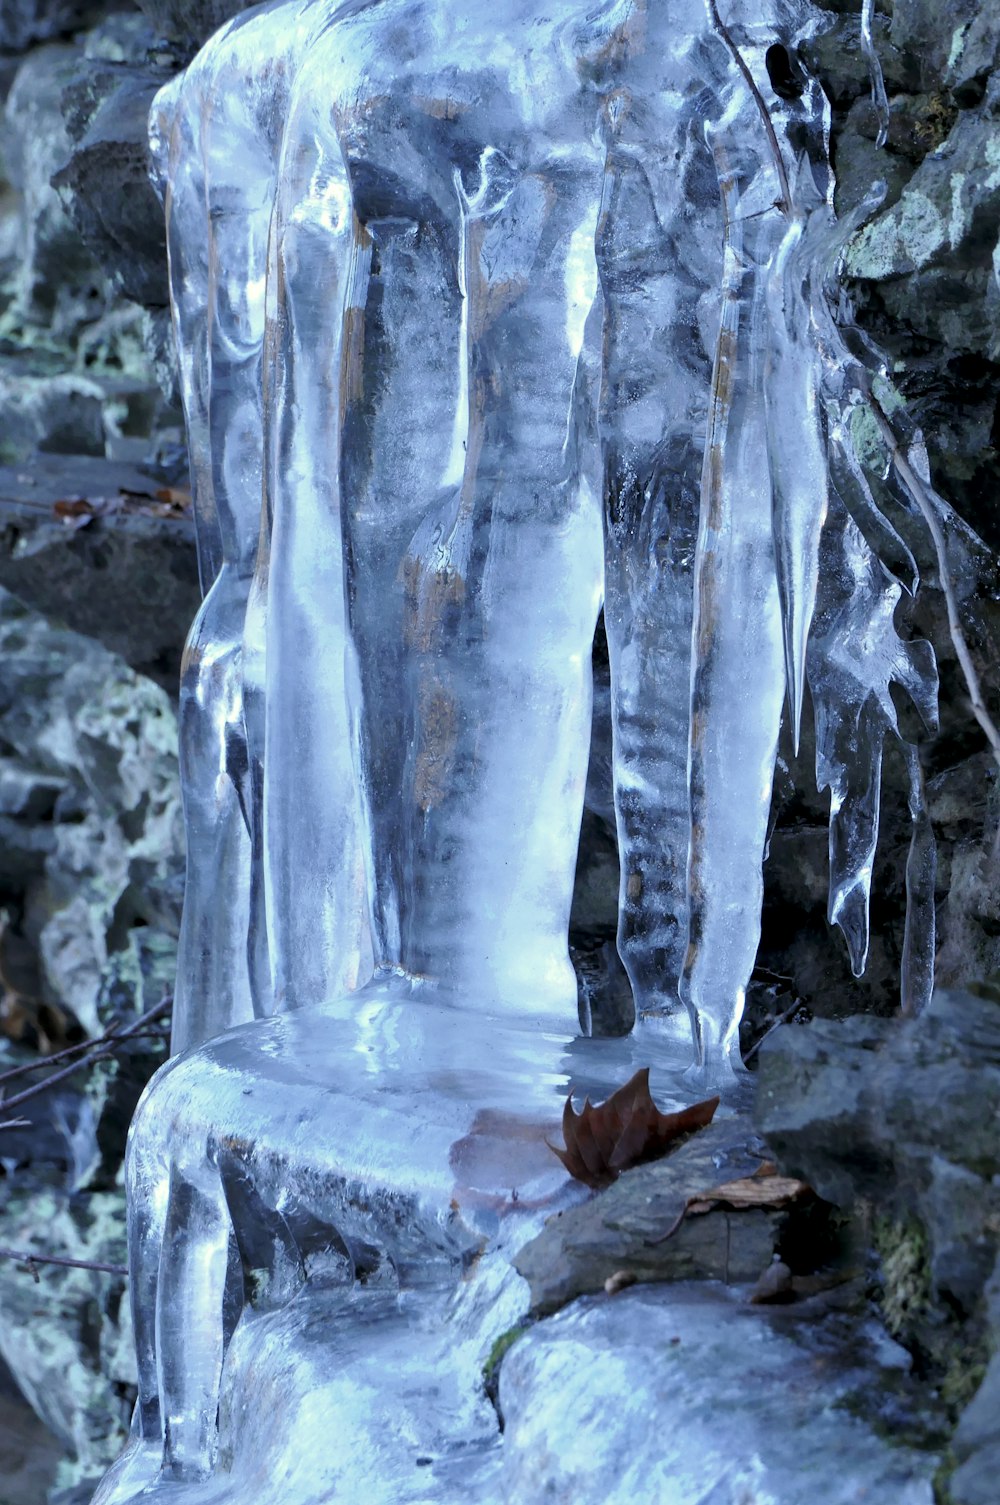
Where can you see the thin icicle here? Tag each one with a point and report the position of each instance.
(879, 97)
(855, 655)
(799, 470)
(919, 937)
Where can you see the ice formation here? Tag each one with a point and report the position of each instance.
(489, 317)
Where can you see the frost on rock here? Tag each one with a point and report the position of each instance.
(488, 318)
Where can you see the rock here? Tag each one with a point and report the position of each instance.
(903, 1114)
(28, 1451)
(63, 571)
(683, 1393)
(24, 22)
(954, 42)
(891, 1110)
(962, 803)
(944, 228)
(54, 268)
(74, 376)
(976, 1443)
(618, 1230)
(104, 182)
(109, 873)
(69, 1343)
(190, 21)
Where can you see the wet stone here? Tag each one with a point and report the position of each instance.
(622, 1228)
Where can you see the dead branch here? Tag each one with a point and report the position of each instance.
(24, 1257)
(772, 138)
(101, 1049)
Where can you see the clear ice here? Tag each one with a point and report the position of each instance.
(489, 318)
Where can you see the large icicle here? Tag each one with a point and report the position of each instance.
(738, 682)
(795, 439)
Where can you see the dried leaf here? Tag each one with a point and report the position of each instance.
(627, 1130)
(175, 497)
(765, 1188)
(159, 501)
(75, 512)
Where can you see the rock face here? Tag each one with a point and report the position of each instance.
(95, 741)
(903, 1117)
(123, 531)
(90, 874)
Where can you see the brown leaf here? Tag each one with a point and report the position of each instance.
(759, 1190)
(627, 1130)
(175, 497)
(75, 512)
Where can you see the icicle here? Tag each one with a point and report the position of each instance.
(799, 470)
(855, 655)
(916, 982)
(879, 98)
(852, 486)
(737, 681)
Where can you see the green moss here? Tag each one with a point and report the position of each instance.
(500, 1348)
(906, 1281)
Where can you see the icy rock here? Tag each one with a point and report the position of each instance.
(69, 1343)
(622, 1228)
(104, 181)
(63, 571)
(683, 1393)
(904, 1113)
(111, 858)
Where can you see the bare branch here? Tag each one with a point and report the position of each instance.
(24, 1257)
(101, 1049)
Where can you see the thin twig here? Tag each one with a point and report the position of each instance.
(776, 1024)
(651, 1243)
(27, 1067)
(23, 1257)
(83, 1047)
(102, 1050)
(761, 103)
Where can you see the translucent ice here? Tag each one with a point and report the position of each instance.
(489, 316)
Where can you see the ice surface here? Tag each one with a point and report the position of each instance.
(488, 316)
(754, 1406)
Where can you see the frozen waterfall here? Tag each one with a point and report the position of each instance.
(490, 317)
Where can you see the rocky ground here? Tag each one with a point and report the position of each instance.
(894, 1125)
